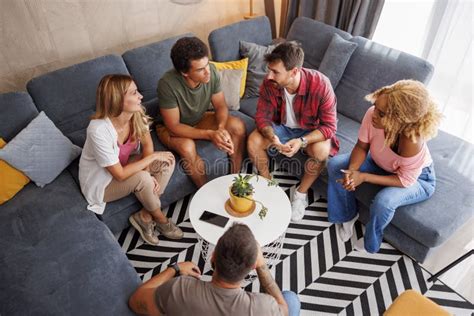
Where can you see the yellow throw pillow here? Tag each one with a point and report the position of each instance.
(12, 180)
(235, 65)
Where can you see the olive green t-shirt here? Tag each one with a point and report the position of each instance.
(192, 103)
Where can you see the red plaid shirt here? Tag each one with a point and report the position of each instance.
(314, 106)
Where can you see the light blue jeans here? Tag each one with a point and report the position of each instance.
(342, 203)
(286, 134)
(293, 303)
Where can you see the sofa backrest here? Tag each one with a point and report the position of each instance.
(68, 95)
(16, 112)
(147, 64)
(224, 41)
(371, 67)
(314, 37)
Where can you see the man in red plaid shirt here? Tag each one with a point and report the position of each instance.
(296, 110)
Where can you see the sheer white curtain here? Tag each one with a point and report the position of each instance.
(441, 32)
(448, 47)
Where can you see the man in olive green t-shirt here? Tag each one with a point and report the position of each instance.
(178, 289)
(184, 95)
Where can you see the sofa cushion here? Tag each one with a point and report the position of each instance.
(152, 108)
(13, 180)
(230, 84)
(257, 68)
(57, 258)
(224, 41)
(249, 106)
(433, 221)
(40, 150)
(373, 66)
(16, 112)
(148, 63)
(314, 37)
(235, 65)
(336, 58)
(347, 133)
(68, 95)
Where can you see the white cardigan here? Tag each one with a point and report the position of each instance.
(100, 150)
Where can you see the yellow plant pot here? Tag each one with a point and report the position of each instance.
(240, 204)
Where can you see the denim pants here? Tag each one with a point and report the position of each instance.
(293, 303)
(342, 205)
(285, 134)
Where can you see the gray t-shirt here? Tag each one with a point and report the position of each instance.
(192, 103)
(188, 296)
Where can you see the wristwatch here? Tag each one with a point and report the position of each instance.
(175, 266)
(304, 142)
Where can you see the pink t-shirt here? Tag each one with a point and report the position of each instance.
(125, 150)
(408, 169)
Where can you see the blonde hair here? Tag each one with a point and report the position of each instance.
(110, 98)
(410, 111)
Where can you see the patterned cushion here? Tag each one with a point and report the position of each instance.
(40, 151)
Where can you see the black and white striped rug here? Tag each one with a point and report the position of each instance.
(329, 277)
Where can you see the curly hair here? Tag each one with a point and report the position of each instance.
(185, 50)
(410, 111)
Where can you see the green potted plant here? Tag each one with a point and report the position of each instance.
(241, 194)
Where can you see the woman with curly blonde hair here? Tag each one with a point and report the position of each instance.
(118, 158)
(391, 152)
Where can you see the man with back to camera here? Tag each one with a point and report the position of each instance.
(296, 110)
(178, 290)
(184, 96)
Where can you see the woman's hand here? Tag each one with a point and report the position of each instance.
(156, 187)
(352, 179)
(163, 156)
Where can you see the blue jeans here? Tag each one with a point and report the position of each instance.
(293, 303)
(342, 204)
(285, 134)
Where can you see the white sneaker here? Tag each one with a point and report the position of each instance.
(345, 230)
(298, 206)
(342, 233)
(359, 245)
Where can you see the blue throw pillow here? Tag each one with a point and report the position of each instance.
(335, 59)
(40, 151)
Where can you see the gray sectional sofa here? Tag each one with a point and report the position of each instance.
(416, 229)
(58, 258)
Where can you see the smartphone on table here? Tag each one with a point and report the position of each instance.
(214, 219)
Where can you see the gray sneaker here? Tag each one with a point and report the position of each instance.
(170, 230)
(146, 230)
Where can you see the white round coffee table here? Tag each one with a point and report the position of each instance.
(269, 231)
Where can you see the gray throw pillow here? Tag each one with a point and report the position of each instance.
(335, 59)
(230, 83)
(257, 68)
(40, 151)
